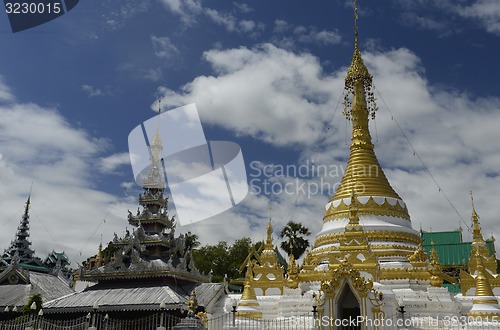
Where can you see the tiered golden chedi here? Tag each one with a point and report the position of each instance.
(480, 254)
(268, 278)
(381, 222)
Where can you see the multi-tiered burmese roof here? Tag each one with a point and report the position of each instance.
(382, 213)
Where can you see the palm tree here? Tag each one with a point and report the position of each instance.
(295, 232)
(191, 241)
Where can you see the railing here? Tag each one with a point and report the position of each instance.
(96, 321)
(230, 321)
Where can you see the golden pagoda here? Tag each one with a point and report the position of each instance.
(436, 281)
(248, 305)
(479, 252)
(479, 246)
(485, 304)
(381, 224)
(293, 271)
(268, 274)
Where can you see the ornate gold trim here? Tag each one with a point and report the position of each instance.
(372, 235)
(371, 207)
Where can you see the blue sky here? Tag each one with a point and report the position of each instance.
(267, 75)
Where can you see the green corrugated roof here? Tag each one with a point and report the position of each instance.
(452, 288)
(450, 248)
(443, 237)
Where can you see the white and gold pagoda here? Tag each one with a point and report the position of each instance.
(479, 252)
(367, 261)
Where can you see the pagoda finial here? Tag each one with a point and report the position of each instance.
(435, 268)
(356, 23)
(154, 178)
(269, 239)
(363, 167)
(358, 72)
(476, 229)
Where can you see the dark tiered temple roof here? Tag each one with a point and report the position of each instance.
(22, 274)
(151, 265)
(22, 246)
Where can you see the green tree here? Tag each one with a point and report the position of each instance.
(238, 253)
(214, 258)
(37, 299)
(191, 241)
(295, 234)
(109, 252)
(222, 258)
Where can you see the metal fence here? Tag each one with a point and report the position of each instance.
(153, 322)
(231, 321)
(97, 321)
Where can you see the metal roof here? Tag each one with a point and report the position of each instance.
(49, 286)
(133, 296)
(14, 295)
(442, 237)
(450, 248)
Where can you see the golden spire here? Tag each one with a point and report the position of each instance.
(268, 254)
(483, 287)
(293, 271)
(479, 245)
(363, 171)
(476, 229)
(269, 240)
(435, 268)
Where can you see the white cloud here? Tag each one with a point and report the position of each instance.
(154, 74)
(189, 10)
(312, 35)
(163, 47)
(41, 148)
(281, 26)
(286, 105)
(293, 102)
(111, 163)
(224, 19)
(92, 90)
(424, 23)
(116, 15)
(186, 9)
(486, 11)
(243, 7)
(421, 14)
(247, 25)
(304, 34)
(5, 92)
